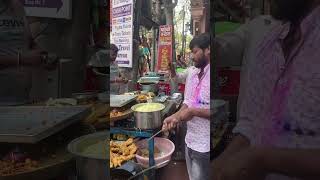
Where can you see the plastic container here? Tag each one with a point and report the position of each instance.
(165, 146)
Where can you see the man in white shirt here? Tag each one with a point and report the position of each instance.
(242, 44)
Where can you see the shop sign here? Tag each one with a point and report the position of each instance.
(48, 8)
(122, 30)
(164, 48)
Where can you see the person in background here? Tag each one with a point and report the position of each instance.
(141, 59)
(116, 78)
(277, 134)
(180, 62)
(19, 55)
(147, 54)
(180, 77)
(195, 111)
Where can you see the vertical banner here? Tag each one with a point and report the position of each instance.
(164, 49)
(110, 11)
(122, 30)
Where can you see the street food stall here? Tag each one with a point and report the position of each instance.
(134, 118)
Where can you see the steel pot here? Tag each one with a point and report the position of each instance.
(148, 120)
(149, 87)
(90, 167)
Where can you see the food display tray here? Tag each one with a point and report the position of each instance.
(31, 124)
(118, 101)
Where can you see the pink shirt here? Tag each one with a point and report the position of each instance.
(281, 105)
(197, 95)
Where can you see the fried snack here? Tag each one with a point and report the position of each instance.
(121, 152)
(128, 142)
(133, 149)
(120, 137)
(115, 113)
(97, 111)
(12, 168)
(151, 94)
(142, 98)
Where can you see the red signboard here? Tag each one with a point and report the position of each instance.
(110, 18)
(164, 49)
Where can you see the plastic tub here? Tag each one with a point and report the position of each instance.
(165, 146)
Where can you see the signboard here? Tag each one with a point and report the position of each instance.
(122, 30)
(48, 8)
(164, 48)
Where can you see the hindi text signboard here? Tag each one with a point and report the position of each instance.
(164, 49)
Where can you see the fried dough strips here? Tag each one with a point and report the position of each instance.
(121, 152)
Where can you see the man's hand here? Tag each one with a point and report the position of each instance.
(170, 122)
(121, 80)
(124, 80)
(244, 165)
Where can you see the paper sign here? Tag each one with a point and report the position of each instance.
(122, 30)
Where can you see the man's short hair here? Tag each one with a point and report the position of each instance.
(114, 48)
(202, 41)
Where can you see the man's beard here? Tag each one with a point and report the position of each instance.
(202, 63)
(290, 10)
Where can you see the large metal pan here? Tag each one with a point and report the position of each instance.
(91, 166)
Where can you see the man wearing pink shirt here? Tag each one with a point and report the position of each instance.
(195, 111)
(278, 131)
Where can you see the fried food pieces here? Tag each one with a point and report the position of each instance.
(98, 111)
(142, 98)
(115, 113)
(11, 168)
(121, 152)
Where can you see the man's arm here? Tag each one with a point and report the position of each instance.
(203, 113)
(183, 107)
(292, 162)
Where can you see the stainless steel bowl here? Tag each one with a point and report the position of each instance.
(90, 167)
(149, 87)
(147, 120)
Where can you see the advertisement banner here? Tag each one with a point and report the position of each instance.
(164, 49)
(122, 30)
(50, 9)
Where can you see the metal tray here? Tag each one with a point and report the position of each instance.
(121, 100)
(149, 80)
(31, 124)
